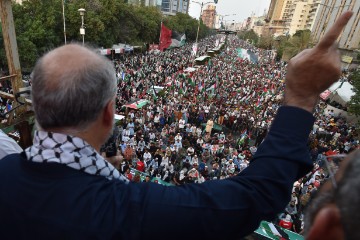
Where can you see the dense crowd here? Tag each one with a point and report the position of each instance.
(208, 121)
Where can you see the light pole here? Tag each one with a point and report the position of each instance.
(82, 28)
(223, 16)
(197, 33)
(63, 12)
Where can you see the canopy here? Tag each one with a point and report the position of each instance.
(341, 92)
(138, 104)
(105, 51)
(202, 58)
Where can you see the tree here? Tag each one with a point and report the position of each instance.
(249, 35)
(183, 23)
(265, 42)
(298, 42)
(354, 104)
(39, 25)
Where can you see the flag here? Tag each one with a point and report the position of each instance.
(247, 54)
(190, 81)
(177, 40)
(165, 37)
(170, 38)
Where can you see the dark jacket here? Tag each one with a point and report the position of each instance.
(52, 201)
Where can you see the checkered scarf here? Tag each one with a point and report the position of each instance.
(72, 152)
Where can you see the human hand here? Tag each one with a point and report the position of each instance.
(314, 70)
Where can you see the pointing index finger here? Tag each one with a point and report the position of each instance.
(331, 36)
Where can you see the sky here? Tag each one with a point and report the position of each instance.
(242, 8)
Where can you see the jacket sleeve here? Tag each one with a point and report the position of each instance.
(232, 208)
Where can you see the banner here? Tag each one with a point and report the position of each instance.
(170, 39)
(247, 54)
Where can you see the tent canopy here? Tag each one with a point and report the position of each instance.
(202, 58)
(341, 92)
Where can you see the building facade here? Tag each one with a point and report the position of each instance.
(285, 17)
(328, 12)
(275, 18)
(208, 16)
(167, 7)
(171, 7)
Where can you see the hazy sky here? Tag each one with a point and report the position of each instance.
(242, 8)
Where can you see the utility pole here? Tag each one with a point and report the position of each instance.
(10, 44)
(12, 55)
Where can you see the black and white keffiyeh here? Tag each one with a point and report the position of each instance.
(72, 152)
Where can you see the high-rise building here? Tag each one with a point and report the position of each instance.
(171, 7)
(276, 22)
(167, 7)
(285, 17)
(209, 16)
(328, 12)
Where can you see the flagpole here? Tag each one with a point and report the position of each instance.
(161, 24)
(63, 12)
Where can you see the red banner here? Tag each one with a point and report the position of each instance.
(165, 37)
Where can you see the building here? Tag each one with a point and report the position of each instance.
(275, 20)
(171, 7)
(285, 17)
(300, 15)
(167, 7)
(208, 16)
(328, 12)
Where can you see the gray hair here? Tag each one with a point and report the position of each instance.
(79, 96)
(346, 197)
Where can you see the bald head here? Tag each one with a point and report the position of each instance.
(74, 58)
(71, 85)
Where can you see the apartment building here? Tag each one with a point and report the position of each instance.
(171, 7)
(285, 17)
(328, 12)
(208, 16)
(167, 7)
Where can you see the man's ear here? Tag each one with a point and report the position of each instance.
(327, 224)
(109, 111)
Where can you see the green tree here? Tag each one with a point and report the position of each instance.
(249, 35)
(354, 104)
(265, 42)
(183, 23)
(298, 42)
(39, 25)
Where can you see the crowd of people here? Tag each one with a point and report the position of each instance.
(208, 121)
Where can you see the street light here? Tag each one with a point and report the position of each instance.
(63, 12)
(223, 16)
(82, 28)
(197, 33)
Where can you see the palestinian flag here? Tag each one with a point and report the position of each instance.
(170, 38)
(247, 54)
